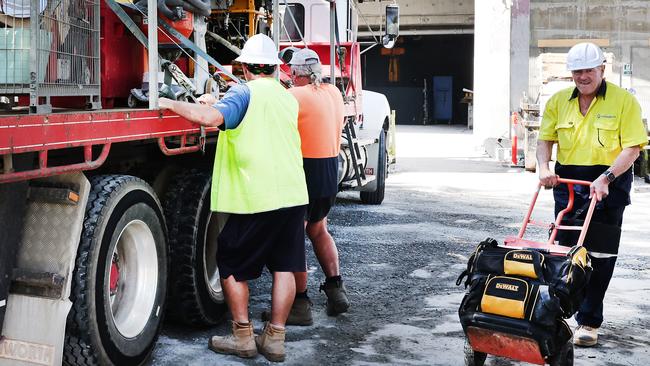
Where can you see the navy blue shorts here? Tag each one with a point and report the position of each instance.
(275, 239)
(319, 208)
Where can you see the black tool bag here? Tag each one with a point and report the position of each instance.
(524, 292)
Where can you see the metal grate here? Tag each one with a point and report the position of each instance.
(14, 46)
(62, 60)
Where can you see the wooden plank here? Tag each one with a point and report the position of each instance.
(560, 43)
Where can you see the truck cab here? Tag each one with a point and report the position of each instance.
(330, 29)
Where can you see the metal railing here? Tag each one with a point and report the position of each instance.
(61, 60)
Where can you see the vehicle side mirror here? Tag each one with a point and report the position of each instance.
(392, 25)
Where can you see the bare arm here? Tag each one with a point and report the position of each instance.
(623, 162)
(546, 176)
(202, 114)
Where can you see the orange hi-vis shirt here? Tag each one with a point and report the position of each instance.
(320, 119)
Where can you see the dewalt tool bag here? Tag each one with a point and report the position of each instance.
(530, 285)
(524, 292)
(571, 278)
(520, 262)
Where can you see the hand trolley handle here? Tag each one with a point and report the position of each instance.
(558, 220)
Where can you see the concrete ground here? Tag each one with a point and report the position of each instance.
(400, 261)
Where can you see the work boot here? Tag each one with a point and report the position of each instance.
(271, 343)
(300, 313)
(240, 342)
(337, 298)
(585, 336)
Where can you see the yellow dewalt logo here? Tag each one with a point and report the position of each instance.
(523, 256)
(507, 286)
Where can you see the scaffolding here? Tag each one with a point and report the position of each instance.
(61, 60)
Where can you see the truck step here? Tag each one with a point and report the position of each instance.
(351, 184)
(58, 194)
(360, 142)
(42, 284)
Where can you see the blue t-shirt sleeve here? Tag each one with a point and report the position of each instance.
(233, 106)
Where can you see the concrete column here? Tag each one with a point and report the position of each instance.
(491, 69)
(520, 51)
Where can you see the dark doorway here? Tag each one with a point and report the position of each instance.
(405, 74)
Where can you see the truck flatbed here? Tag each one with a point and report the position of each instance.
(24, 133)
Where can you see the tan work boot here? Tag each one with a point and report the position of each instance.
(240, 342)
(585, 336)
(337, 298)
(300, 313)
(271, 343)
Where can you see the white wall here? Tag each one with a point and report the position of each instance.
(491, 69)
(520, 48)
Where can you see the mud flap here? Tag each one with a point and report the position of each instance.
(35, 319)
(25, 346)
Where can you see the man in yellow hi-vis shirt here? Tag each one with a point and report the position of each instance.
(599, 132)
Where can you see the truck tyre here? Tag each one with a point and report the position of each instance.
(196, 297)
(119, 280)
(377, 197)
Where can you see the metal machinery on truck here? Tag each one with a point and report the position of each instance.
(105, 216)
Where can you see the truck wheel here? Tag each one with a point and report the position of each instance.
(473, 358)
(196, 297)
(119, 280)
(377, 197)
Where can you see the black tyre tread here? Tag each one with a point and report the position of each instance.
(78, 348)
(183, 201)
(377, 197)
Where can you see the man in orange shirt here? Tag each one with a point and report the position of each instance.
(320, 122)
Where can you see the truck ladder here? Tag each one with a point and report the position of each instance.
(355, 151)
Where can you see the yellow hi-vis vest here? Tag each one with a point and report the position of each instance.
(258, 166)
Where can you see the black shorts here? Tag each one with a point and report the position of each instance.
(319, 208)
(275, 239)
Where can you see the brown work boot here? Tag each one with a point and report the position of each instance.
(337, 298)
(240, 342)
(300, 313)
(271, 342)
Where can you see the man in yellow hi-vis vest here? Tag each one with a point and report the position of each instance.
(599, 132)
(259, 181)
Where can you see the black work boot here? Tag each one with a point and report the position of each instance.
(337, 298)
(300, 313)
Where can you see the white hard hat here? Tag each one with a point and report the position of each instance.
(259, 49)
(304, 56)
(584, 56)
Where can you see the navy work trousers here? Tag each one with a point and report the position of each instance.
(590, 312)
